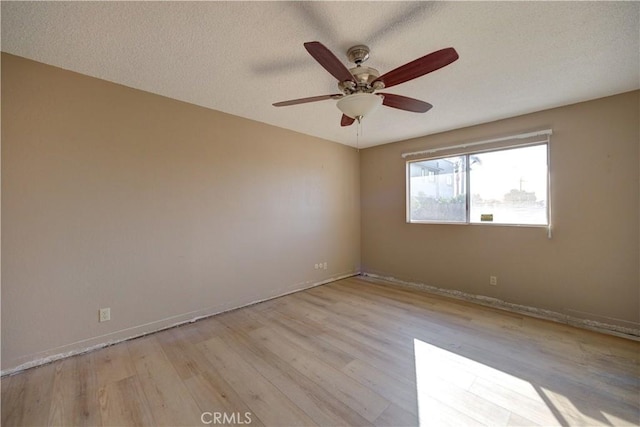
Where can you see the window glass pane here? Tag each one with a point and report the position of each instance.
(437, 190)
(509, 186)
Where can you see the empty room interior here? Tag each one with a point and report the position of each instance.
(320, 213)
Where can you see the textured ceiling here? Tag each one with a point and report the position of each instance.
(240, 57)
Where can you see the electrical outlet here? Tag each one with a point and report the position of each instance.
(317, 266)
(104, 314)
(493, 280)
(324, 265)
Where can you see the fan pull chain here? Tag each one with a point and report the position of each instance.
(358, 131)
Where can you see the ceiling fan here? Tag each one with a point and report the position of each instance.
(359, 85)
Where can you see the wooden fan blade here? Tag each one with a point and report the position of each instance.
(405, 103)
(305, 100)
(419, 67)
(329, 61)
(346, 120)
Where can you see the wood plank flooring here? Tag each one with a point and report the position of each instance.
(353, 352)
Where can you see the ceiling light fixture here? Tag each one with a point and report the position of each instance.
(359, 105)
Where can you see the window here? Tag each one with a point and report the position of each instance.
(441, 198)
(500, 186)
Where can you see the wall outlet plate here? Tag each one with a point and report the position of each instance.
(104, 314)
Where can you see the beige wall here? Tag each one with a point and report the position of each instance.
(160, 210)
(164, 211)
(589, 269)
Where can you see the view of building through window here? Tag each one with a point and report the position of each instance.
(438, 190)
(507, 186)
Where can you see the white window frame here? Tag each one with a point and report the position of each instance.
(491, 145)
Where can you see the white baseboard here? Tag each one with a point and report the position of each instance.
(115, 337)
(94, 343)
(632, 333)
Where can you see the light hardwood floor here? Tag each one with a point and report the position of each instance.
(352, 352)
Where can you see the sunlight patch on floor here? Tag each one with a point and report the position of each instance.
(455, 390)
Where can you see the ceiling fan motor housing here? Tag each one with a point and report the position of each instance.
(363, 76)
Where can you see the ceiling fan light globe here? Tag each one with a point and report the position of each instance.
(359, 105)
